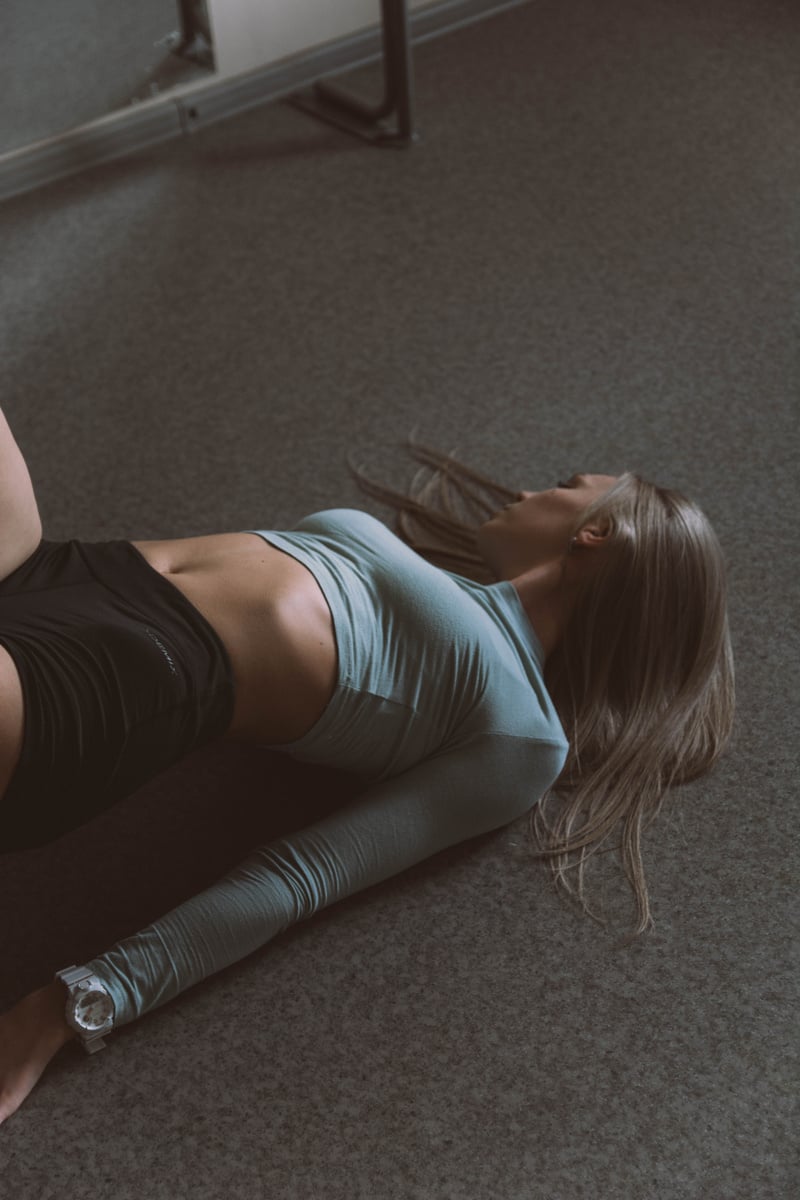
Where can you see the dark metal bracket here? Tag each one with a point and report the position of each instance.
(336, 107)
(193, 42)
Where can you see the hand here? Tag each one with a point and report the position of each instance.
(31, 1033)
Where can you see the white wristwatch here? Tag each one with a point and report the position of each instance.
(90, 1009)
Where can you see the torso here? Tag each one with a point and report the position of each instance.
(269, 613)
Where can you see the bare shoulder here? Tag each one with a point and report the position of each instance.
(20, 523)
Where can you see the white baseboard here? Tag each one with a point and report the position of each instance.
(132, 129)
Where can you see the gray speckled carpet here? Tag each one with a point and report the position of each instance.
(589, 262)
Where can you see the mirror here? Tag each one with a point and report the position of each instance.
(65, 63)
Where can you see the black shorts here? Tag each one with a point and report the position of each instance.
(121, 676)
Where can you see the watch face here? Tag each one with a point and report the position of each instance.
(93, 1009)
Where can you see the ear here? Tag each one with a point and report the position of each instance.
(592, 537)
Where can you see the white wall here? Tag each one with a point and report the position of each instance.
(254, 33)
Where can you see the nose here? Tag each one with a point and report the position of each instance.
(525, 495)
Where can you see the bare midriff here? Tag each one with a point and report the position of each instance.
(270, 615)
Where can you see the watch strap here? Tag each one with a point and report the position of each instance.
(72, 975)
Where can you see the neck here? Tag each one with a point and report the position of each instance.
(547, 601)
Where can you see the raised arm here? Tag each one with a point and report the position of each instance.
(20, 524)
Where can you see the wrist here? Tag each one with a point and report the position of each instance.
(47, 1007)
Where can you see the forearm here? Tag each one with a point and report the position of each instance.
(272, 889)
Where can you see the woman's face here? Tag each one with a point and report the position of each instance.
(536, 529)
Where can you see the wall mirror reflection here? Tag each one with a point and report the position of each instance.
(67, 62)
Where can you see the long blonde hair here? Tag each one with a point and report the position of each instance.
(642, 678)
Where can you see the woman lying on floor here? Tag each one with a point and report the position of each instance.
(581, 670)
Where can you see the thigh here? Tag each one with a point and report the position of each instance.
(12, 724)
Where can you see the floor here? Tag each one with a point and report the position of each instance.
(590, 261)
